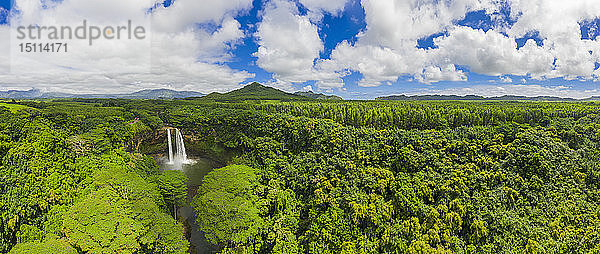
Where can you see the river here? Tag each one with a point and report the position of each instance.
(195, 173)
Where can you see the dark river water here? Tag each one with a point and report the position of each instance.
(195, 173)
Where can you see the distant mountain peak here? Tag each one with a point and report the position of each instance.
(318, 96)
(255, 84)
(255, 91)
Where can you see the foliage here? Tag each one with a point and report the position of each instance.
(228, 209)
(51, 244)
(13, 107)
(173, 187)
(67, 184)
(523, 183)
(318, 176)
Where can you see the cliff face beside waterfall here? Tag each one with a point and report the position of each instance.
(196, 145)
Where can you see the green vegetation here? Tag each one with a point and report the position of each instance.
(525, 182)
(304, 176)
(13, 107)
(52, 244)
(67, 183)
(228, 208)
(173, 188)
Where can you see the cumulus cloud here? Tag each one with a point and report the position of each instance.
(185, 13)
(492, 53)
(182, 54)
(331, 6)
(396, 24)
(558, 22)
(289, 45)
(176, 53)
(387, 49)
(506, 79)
(432, 74)
(377, 64)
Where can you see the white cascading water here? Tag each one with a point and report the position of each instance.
(180, 156)
(170, 146)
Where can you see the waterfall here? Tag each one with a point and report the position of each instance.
(179, 156)
(170, 146)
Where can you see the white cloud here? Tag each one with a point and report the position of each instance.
(331, 6)
(215, 46)
(492, 53)
(289, 43)
(558, 23)
(432, 74)
(176, 55)
(184, 13)
(506, 79)
(387, 49)
(307, 89)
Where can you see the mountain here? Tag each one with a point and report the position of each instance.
(14, 94)
(255, 91)
(318, 96)
(471, 98)
(162, 93)
(594, 98)
(144, 94)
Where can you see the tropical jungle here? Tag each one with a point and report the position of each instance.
(258, 170)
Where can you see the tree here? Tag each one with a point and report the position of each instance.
(51, 244)
(228, 207)
(118, 213)
(173, 188)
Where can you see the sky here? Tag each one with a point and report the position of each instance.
(357, 49)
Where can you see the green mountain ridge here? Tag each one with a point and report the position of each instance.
(255, 91)
(319, 96)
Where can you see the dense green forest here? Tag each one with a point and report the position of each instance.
(303, 176)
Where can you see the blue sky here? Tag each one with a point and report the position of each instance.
(365, 49)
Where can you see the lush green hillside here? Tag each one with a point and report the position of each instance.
(254, 91)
